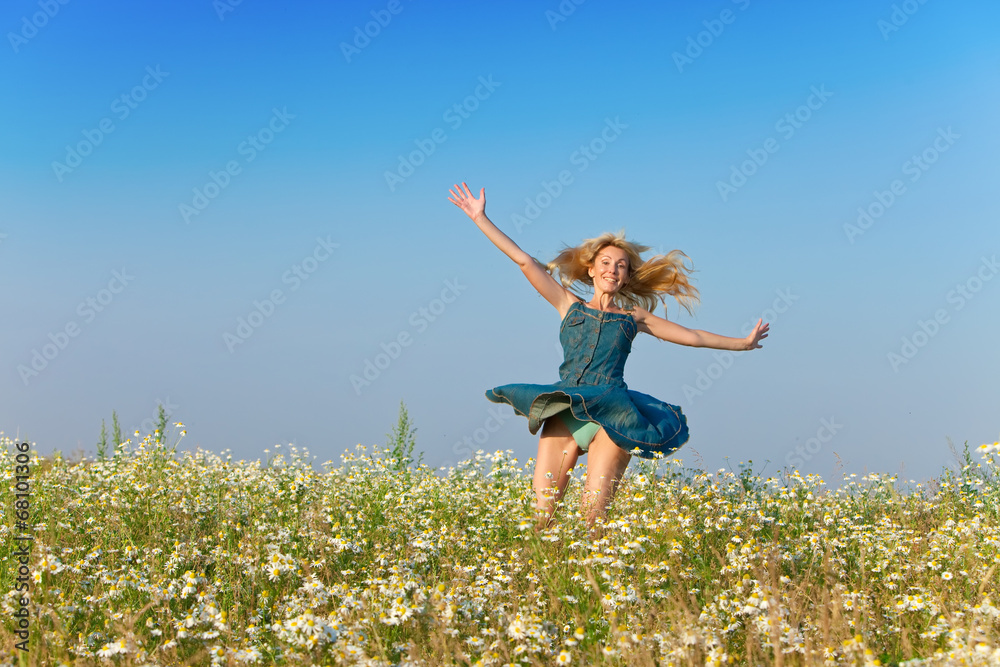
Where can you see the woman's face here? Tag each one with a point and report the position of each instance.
(610, 269)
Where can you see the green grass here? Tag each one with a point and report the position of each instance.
(191, 558)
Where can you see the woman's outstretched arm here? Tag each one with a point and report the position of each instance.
(675, 333)
(536, 274)
(475, 208)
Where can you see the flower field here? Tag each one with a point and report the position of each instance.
(160, 557)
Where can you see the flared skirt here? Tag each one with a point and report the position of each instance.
(638, 423)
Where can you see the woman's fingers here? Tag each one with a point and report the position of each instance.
(458, 198)
(462, 198)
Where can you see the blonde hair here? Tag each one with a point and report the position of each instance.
(647, 281)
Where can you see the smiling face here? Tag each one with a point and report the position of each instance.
(610, 269)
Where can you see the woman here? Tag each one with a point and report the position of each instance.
(591, 410)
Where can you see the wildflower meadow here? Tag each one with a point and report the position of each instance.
(149, 555)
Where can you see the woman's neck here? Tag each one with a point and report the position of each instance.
(604, 302)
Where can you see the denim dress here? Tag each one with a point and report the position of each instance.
(595, 346)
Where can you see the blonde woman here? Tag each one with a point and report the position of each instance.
(590, 409)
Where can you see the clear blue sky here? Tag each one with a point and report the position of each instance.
(166, 168)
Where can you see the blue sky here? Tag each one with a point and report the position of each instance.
(167, 172)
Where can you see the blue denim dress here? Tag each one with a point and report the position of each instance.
(595, 346)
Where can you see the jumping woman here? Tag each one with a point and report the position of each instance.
(590, 409)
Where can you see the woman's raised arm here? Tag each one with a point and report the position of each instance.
(475, 208)
(536, 274)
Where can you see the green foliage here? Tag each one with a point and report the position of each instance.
(102, 444)
(690, 567)
(402, 440)
(116, 430)
(161, 425)
(160, 436)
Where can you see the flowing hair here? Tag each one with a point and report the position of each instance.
(647, 281)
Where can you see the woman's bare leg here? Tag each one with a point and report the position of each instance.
(557, 454)
(606, 465)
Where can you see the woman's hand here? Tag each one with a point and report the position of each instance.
(472, 206)
(759, 333)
